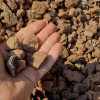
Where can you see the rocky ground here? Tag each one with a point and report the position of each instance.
(75, 76)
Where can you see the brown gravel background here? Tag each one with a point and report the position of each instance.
(76, 74)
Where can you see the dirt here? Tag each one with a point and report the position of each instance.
(75, 76)
(17, 54)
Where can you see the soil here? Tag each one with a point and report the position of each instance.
(76, 74)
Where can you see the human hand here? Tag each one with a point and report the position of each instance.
(20, 87)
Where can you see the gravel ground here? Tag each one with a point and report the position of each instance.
(75, 76)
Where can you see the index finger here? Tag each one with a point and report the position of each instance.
(33, 28)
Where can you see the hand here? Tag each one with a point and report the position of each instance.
(20, 88)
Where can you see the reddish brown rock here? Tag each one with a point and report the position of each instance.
(73, 75)
(13, 43)
(9, 18)
(39, 7)
(47, 85)
(80, 88)
(37, 59)
(18, 53)
(21, 64)
(69, 95)
(71, 3)
(30, 43)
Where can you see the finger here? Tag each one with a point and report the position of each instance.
(33, 28)
(51, 59)
(54, 38)
(45, 33)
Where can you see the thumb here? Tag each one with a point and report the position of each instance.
(2, 66)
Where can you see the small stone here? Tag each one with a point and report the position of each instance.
(12, 4)
(63, 39)
(30, 14)
(36, 59)
(96, 95)
(2, 5)
(73, 58)
(63, 14)
(13, 43)
(72, 37)
(10, 33)
(94, 9)
(90, 68)
(78, 66)
(47, 16)
(80, 88)
(95, 78)
(9, 17)
(73, 75)
(19, 24)
(1, 38)
(20, 12)
(91, 29)
(58, 1)
(71, 3)
(73, 12)
(64, 53)
(98, 67)
(30, 1)
(30, 43)
(69, 95)
(18, 53)
(47, 85)
(6, 37)
(83, 3)
(83, 97)
(61, 84)
(39, 7)
(21, 64)
(96, 52)
(3, 32)
(45, 99)
(11, 65)
(20, 2)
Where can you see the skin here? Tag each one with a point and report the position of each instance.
(20, 87)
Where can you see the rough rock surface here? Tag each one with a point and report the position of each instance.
(11, 65)
(21, 65)
(18, 53)
(73, 75)
(37, 59)
(13, 43)
(39, 7)
(71, 3)
(30, 43)
(9, 18)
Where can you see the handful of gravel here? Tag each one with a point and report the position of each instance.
(17, 54)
